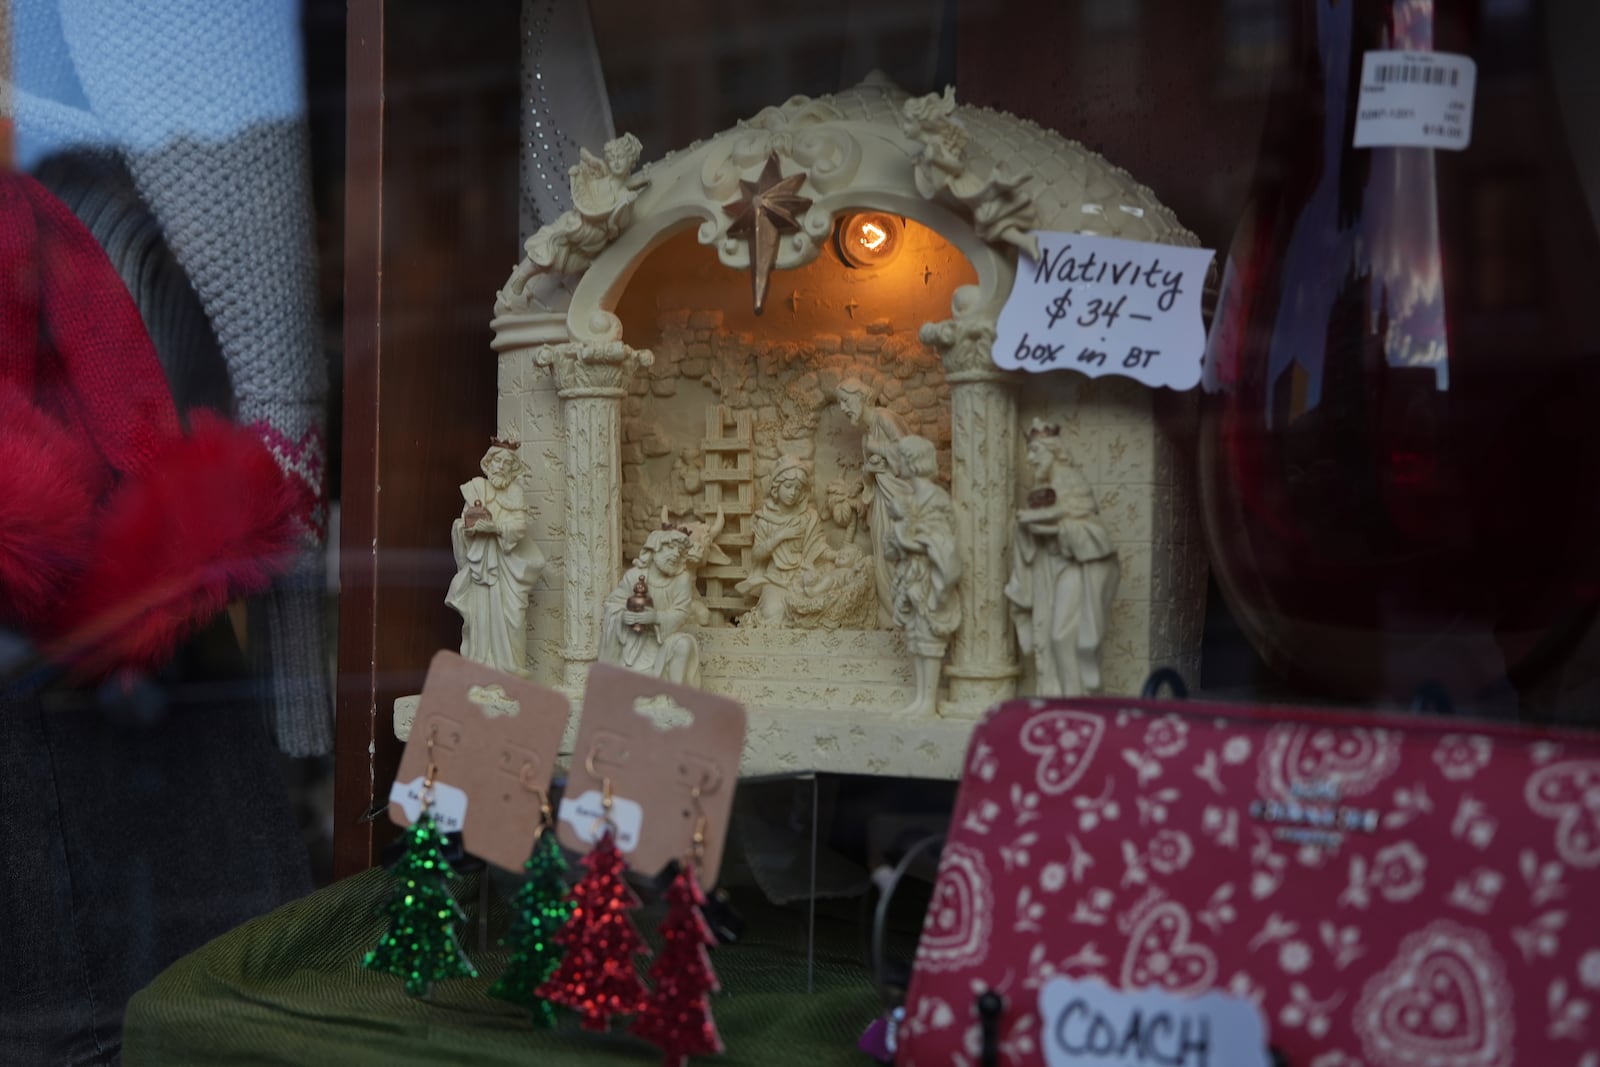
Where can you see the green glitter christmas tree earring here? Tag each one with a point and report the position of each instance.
(542, 908)
(421, 945)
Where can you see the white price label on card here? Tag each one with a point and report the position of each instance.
(1085, 1023)
(1415, 100)
(1104, 305)
(587, 817)
(449, 804)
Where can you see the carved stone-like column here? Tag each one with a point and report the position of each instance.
(983, 442)
(591, 380)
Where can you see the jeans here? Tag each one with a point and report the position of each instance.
(125, 845)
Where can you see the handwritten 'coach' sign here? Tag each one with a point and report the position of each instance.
(1085, 1023)
(1103, 305)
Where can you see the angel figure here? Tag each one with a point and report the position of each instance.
(603, 192)
(930, 121)
(990, 189)
(603, 189)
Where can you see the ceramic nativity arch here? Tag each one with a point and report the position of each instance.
(647, 390)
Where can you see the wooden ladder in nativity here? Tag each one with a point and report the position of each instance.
(729, 485)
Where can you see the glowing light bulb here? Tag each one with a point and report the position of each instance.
(869, 239)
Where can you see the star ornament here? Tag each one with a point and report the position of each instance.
(766, 208)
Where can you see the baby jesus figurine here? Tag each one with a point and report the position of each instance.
(840, 597)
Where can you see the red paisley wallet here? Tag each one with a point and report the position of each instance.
(1386, 891)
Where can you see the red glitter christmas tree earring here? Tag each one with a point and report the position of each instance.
(677, 1015)
(597, 977)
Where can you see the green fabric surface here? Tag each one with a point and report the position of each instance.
(289, 988)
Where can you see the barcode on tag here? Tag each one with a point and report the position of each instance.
(1415, 100)
(1411, 72)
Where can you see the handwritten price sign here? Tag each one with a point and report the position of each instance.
(1103, 305)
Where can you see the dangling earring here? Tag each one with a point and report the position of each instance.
(597, 977)
(422, 945)
(677, 1015)
(542, 908)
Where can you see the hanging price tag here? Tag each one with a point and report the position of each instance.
(449, 803)
(588, 818)
(1416, 100)
(1104, 305)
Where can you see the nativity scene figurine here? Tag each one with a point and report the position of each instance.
(497, 562)
(1064, 571)
(882, 430)
(788, 542)
(920, 545)
(649, 620)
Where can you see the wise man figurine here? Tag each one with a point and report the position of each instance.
(1064, 571)
(497, 562)
(648, 622)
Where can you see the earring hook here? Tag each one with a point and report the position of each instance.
(547, 815)
(605, 780)
(605, 819)
(697, 842)
(433, 769)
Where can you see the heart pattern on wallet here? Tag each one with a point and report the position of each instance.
(1350, 762)
(1443, 1002)
(960, 914)
(1065, 742)
(1570, 794)
(1161, 954)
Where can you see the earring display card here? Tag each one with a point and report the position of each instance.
(655, 742)
(495, 738)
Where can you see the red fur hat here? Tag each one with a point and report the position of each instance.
(119, 533)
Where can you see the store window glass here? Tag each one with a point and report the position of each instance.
(1205, 383)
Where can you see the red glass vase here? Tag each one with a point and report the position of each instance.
(1399, 465)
